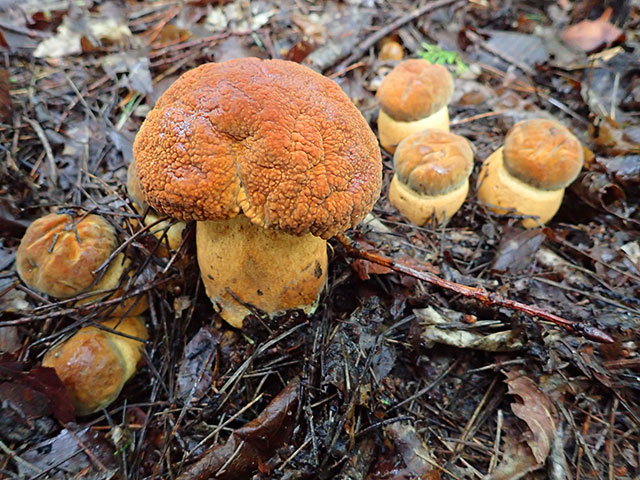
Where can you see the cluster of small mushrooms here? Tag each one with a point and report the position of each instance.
(271, 159)
(527, 176)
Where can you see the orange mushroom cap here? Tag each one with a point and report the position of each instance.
(270, 138)
(543, 154)
(58, 254)
(415, 89)
(433, 162)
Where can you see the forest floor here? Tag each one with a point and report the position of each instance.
(391, 377)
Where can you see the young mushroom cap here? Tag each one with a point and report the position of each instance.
(59, 255)
(431, 177)
(540, 158)
(269, 139)
(413, 97)
(95, 364)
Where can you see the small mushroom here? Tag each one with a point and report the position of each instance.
(413, 97)
(271, 159)
(540, 158)
(95, 364)
(431, 177)
(173, 229)
(59, 254)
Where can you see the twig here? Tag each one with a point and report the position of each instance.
(358, 52)
(52, 177)
(484, 296)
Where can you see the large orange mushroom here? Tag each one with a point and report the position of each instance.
(271, 159)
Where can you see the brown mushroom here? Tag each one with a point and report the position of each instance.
(540, 158)
(413, 97)
(271, 159)
(172, 230)
(95, 364)
(59, 254)
(431, 177)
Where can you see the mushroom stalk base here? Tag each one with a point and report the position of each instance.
(419, 209)
(265, 268)
(504, 193)
(391, 132)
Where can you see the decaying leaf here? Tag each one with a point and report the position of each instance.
(28, 398)
(196, 372)
(516, 250)
(536, 409)
(588, 35)
(253, 444)
(415, 454)
(74, 453)
(437, 328)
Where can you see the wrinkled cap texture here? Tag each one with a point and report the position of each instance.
(433, 162)
(58, 253)
(415, 89)
(543, 154)
(270, 138)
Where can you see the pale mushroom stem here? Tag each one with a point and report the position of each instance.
(392, 132)
(266, 268)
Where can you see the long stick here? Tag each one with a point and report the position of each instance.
(487, 298)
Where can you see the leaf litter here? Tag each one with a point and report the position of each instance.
(391, 377)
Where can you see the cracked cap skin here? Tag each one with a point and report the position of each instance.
(269, 138)
(543, 154)
(58, 254)
(415, 89)
(433, 162)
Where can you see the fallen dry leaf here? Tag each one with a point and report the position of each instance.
(535, 408)
(588, 35)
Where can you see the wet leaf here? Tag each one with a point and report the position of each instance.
(65, 456)
(253, 444)
(412, 449)
(588, 35)
(196, 367)
(517, 250)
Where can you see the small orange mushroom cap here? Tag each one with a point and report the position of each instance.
(415, 89)
(58, 254)
(542, 153)
(95, 364)
(433, 162)
(270, 138)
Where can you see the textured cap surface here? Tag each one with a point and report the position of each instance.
(415, 89)
(433, 162)
(543, 154)
(270, 138)
(58, 253)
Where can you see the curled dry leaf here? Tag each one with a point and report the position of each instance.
(437, 329)
(517, 250)
(588, 35)
(251, 445)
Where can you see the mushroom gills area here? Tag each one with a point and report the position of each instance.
(503, 193)
(419, 209)
(391, 132)
(266, 268)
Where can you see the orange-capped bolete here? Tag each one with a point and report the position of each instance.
(431, 177)
(271, 159)
(413, 97)
(95, 364)
(59, 254)
(540, 158)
